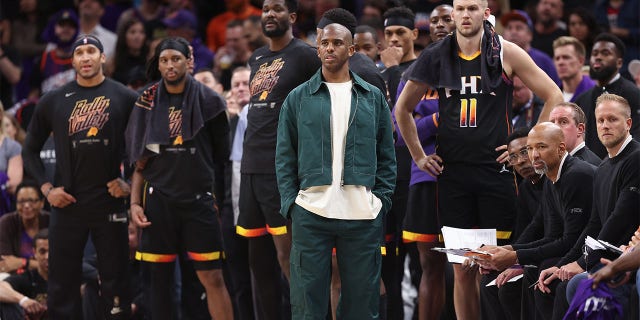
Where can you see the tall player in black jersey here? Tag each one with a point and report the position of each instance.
(276, 69)
(87, 118)
(472, 71)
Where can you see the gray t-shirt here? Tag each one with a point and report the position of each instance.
(8, 149)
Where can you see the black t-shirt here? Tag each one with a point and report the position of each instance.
(88, 126)
(473, 123)
(273, 76)
(186, 167)
(30, 284)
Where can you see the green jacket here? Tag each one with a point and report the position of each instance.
(303, 150)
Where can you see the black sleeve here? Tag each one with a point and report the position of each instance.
(20, 283)
(532, 232)
(575, 195)
(393, 76)
(37, 135)
(622, 222)
(592, 229)
(219, 128)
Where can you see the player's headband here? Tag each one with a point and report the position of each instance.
(174, 44)
(399, 21)
(86, 39)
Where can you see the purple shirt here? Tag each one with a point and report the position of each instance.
(545, 63)
(427, 127)
(583, 86)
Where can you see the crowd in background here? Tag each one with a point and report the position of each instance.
(36, 38)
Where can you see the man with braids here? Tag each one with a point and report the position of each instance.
(179, 123)
(472, 71)
(87, 117)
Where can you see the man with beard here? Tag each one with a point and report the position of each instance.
(548, 25)
(336, 181)
(616, 200)
(178, 138)
(605, 62)
(560, 219)
(87, 118)
(564, 212)
(276, 69)
(471, 71)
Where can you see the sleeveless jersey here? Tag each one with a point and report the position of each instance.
(473, 123)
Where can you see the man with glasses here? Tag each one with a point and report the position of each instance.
(16, 249)
(563, 213)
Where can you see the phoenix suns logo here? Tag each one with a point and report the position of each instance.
(89, 116)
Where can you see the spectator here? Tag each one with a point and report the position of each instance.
(620, 18)
(235, 53)
(519, 30)
(151, 13)
(28, 291)
(605, 63)
(206, 77)
(131, 50)
(10, 73)
(499, 8)
(236, 10)
(568, 57)
(634, 71)
(184, 24)
(17, 229)
(253, 33)
(12, 129)
(25, 38)
(525, 105)
(10, 168)
(583, 26)
(54, 69)
(548, 25)
(366, 42)
(90, 12)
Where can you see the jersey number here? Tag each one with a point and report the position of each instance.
(468, 112)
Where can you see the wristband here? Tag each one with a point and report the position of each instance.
(25, 298)
(46, 194)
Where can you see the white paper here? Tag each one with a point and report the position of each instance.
(467, 238)
(593, 244)
(514, 279)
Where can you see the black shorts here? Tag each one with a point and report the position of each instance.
(190, 225)
(478, 196)
(260, 206)
(421, 222)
